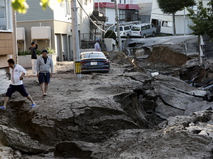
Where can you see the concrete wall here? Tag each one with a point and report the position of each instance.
(4, 80)
(84, 20)
(7, 50)
(146, 8)
(3, 60)
(145, 12)
(110, 44)
(7, 44)
(41, 43)
(25, 61)
(110, 13)
(62, 11)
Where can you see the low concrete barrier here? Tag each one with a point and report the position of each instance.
(25, 61)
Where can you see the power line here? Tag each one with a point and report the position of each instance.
(90, 18)
(86, 24)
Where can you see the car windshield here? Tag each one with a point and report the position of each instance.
(135, 28)
(126, 28)
(92, 55)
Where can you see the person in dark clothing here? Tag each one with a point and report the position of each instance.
(32, 49)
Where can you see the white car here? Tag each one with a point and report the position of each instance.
(143, 30)
(124, 31)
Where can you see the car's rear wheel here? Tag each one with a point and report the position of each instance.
(144, 35)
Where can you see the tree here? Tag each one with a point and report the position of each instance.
(172, 6)
(202, 19)
(21, 5)
(110, 34)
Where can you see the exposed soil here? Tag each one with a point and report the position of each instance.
(123, 114)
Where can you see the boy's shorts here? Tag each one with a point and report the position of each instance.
(18, 88)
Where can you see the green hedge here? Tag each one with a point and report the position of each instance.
(24, 53)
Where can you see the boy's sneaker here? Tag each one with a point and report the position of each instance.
(2, 107)
(33, 105)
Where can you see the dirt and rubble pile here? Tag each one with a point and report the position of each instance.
(91, 110)
(165, 55)
(123, 114)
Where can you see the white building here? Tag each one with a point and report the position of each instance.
(146, 10)
(164, 22)
(128, 10)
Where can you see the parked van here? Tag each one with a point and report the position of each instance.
(143, 30)
(124, 31)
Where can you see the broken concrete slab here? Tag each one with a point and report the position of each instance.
(8, 152)
(20, 141)
(180, 137)
(182, 44)
(116, 115)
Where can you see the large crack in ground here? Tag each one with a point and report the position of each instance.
(121, 114)
(93, 123)
(91, 120)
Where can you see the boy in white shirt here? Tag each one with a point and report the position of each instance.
(17, 73)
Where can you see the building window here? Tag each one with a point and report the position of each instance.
(112, 0)
(5, 15)
(166, 24)
(68, 7)
(135, 16)
(122, 15)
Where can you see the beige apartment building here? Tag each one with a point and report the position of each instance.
(7, 41)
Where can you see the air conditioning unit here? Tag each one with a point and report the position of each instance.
(20, 33)
(41, 32)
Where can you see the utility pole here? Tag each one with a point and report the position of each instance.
(118, 26)
(184, 11)
(212, 4)
(75, 39)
